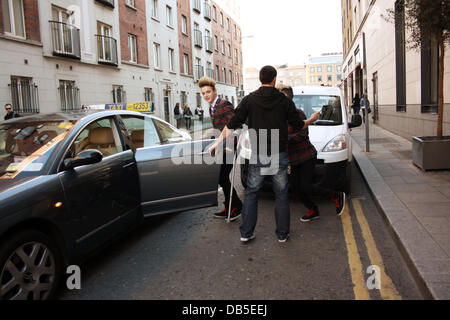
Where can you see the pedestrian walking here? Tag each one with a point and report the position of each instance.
(365, 106)
(221, 111)
(302, 158)
(10, 113)
(178, 115)
(187, 114)
(199, 112)
(266, 111)
(356, 104)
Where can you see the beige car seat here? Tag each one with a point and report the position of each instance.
(101, 139)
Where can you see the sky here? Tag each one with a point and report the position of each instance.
(280, 32)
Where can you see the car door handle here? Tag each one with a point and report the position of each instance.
(128, 165)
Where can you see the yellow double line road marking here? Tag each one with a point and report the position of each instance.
(387, 287)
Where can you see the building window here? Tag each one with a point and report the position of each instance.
(224, 75)
(312, 79)
(319, 78)
(237, 79)
(338, 68)
(339, 77)
(217, 73)
(400, 55)
(319, 69)
(130, 3)
(24, 95)
(216, 43)
(223, 47)
(185, 63)
(214, 13)
(230, 73)
(312, 70)
(184, 24)
(69, 95)
(199, 98)
(169, 16)
(13, 18)
(198, 37)
(132, 48)
(236, 56)
(229, 50)
(171, 59)
(183, 98)
(107, 49)
(119, 94)
(329, 78)
(228, 24)
(154, 9)
(156, 55)
(430, 74)
(148, 94)
(221, 19)
(197, 6)
(329, 68)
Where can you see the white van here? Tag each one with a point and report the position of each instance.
(329, 135)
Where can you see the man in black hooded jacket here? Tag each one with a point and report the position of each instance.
(267, 112)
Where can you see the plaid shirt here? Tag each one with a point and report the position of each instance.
(300, 149)
(223, 111)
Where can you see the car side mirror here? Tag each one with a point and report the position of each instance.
(356, 121)
(85, 157)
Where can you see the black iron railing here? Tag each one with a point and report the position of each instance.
(107, 50)
(24, 96)
(66, 39)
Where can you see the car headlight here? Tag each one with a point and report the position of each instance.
(336, 144)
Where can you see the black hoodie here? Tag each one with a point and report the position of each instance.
(267, 108)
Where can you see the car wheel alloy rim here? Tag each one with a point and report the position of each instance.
(28, 273)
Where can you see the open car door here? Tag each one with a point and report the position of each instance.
(175, 172)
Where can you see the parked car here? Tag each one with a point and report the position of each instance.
(71, 182)
(329, 135)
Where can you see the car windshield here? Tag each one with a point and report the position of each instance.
(329, 107)
(25, 146)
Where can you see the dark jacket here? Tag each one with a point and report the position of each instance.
(299, 147)
(223, 112)
(11, 115)
(267, 108)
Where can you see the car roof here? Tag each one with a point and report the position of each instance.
(73, 115)
(316, 90)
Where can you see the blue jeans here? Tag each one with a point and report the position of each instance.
(280, 185)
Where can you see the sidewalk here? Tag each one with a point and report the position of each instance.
(415, 204)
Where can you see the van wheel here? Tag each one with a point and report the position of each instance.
(30, 267)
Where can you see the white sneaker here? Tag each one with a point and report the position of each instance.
(244, 240)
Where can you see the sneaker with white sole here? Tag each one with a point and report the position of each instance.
(339, 202)
(283, 238)
(245, 240)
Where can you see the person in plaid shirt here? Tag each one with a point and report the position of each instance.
(302, 157)
(221, 111)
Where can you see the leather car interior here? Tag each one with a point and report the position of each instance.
(101, 139)
(137, 136)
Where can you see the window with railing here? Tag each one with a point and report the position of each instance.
(69, 95)
(109, 3)
(196, 5)
(199, 72)
(210, 73)
(119, 94)
(148, 94)
(198, 41)
(207, 13)
(66, 39)
(208, 43)
(24, 95)
(106, 45)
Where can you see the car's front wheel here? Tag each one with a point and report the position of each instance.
(29, 267)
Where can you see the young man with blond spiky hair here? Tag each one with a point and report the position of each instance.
(221, 111)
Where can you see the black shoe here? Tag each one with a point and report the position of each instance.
(222, 214)
(311, 215)
(283, 238)
(235, 213)
(247, 239)
(339, 202)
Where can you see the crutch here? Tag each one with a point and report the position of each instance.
(232, 175)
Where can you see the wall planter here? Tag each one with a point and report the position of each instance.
(431, 153)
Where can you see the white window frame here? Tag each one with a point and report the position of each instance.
(223, 46)
(171, 56)
(184, 25)
(73, 102)
(185, 63)
(12, 23)
(154, 9)
(132, 47)
(105, 30)
(169, 16)
(157, 55)
(216, 43)
(130, 3)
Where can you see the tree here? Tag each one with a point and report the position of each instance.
(428, 20)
